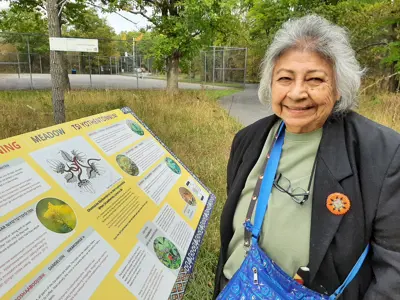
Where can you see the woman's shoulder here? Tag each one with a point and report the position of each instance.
(370, 132)
(257, 130)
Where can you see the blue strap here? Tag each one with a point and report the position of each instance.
(351, 275)
(268, 180)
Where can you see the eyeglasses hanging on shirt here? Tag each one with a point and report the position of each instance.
(298, 194)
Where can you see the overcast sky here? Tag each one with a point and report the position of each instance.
(114, 20)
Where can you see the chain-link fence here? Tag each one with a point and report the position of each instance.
(26, 56)
(224, 65)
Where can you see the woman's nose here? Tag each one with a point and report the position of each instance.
(298, 91)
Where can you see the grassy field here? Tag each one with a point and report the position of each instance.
(382, 108)
(192, 124)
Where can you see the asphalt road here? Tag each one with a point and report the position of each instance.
(43, 81)
(245, 106)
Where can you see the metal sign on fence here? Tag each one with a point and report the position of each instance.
(73, 44)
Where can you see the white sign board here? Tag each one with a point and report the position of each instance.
(72, 44)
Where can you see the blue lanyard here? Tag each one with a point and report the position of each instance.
(268, 181)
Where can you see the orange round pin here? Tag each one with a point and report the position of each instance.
(338, 203)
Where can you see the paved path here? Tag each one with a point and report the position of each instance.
(43, 81)
(245, 106)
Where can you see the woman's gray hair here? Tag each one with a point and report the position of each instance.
(316, 34)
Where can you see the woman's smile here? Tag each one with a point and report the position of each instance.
(303, 90)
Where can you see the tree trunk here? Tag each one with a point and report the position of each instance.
(394, 80)
(56, 64)
(173, 72)
(66, 84)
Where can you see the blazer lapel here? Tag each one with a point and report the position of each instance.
(332, 166)
(254, 142)
(252, 153)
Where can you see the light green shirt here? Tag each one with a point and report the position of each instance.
(285, 234)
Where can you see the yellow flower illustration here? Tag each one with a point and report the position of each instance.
(61, 214)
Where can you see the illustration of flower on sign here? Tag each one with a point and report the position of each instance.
(56, 215)
(77, 169)
(167, 253)
(127, 165)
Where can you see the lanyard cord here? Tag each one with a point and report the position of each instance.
(248, 226)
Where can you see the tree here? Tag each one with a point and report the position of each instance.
(56, 64)
(16, 21)
(66, 11)
(180, 27)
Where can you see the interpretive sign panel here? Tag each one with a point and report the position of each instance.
(97, 208)
(74, 45)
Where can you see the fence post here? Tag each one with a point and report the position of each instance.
(213, 74)
(245, 68)
(205, 66)
(19, 67)
(223, 65)
(29, 62)
(110, 67)
(79, 63)
(98, 63)
(134, 52)
(90, 70)
(40, 62)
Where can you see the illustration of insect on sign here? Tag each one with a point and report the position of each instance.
(97, 208)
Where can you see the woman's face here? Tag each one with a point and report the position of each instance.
(303, 90)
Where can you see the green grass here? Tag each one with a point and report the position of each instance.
(383, 108)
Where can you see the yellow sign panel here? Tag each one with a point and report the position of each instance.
(97, 208)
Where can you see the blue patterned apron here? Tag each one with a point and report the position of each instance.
(259, 277)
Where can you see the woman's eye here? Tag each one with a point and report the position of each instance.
(315, 80)
(284, 79)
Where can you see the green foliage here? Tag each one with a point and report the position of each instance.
(15, 20)
(178, 27)
(94, 27)
(374, 28)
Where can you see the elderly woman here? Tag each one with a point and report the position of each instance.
(313, 207)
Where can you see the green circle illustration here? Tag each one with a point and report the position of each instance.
(56, 215)
(173, 165)
(135, 127)
(167, 253)
(127, 165)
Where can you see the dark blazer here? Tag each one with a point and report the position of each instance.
(360, 159)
